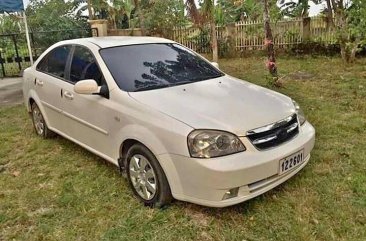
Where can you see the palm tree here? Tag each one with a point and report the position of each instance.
(90, 12)
(207, 15)
(299, 8)
(120, 9)
(140, 14)
(94, 7)
(330, 13)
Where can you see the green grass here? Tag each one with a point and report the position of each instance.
(55, 190)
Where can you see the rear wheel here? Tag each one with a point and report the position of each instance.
(147, 178)
(39, 123)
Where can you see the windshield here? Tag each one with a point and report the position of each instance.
(153, 66)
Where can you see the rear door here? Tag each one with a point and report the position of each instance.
(48, 83)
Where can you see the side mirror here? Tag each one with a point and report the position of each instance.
(86, 87)
(216, 65)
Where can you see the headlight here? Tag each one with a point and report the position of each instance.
(299, 113)
(211, 143)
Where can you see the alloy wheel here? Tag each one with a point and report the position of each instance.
(38, 120)
(142, 176)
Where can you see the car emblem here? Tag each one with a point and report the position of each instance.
(281, 134)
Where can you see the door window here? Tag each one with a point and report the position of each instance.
(84, 66)
(54, 62)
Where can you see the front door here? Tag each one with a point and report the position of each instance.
(88, 118)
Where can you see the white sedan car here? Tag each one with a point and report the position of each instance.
(172, 121)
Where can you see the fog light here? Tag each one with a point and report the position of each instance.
(231, 193)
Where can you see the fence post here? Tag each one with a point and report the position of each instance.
(306, 33)
(17, 59)
(2, 61)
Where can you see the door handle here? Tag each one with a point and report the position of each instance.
(68, 95)
(39, 82)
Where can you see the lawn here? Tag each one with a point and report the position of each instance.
(55, 190)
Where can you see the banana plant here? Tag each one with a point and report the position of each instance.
(108, 9)
(96, 8)
(299, 8)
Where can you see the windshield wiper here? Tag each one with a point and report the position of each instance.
(159, 86)
(182, 82)
(201, 78)
(152, 87)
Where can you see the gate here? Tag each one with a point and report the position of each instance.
(10, 61)
(14, 54)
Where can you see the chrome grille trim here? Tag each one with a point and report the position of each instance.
(270, 126)
(264, 140)
(274, 134)
(292, 127)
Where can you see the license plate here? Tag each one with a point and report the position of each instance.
(292, 161)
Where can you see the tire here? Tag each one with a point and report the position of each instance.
(39, 123)
(144, 173)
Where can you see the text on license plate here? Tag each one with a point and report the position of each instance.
(291, 162)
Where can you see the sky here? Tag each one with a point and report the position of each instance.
(314, 9)
(25, 2)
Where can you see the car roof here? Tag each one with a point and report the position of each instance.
(113, 41)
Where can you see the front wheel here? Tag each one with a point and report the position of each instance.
(147, 178)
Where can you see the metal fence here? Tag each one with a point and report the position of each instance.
(197, 39)
(249, 35)
(321, 32)
(14, 55)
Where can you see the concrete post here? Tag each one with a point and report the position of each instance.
(306, 33)
(101, 25)
(231, 41)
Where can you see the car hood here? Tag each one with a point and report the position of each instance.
(223, 103)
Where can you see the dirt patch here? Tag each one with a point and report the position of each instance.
(301, 75)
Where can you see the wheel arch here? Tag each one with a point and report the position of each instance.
(30, 103)
(128, 142)
(123, 150)
(32, 98)
(167, 166)
(126, 145)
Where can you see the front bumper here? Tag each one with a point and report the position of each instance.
(205, 181)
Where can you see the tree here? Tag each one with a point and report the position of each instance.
(271, 64)
(234, 10)
(350, 26)
(10, 23)
(208, 11)
(298, 8)
(128, 10)
(90, 12)
(140, 15)
(97, 9)
(117, 12)
(239, 10)
(206, 15)
(162, 16)
(54, 15)
(329, 13)
(120, 13)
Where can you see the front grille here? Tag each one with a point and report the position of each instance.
(274, 134)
